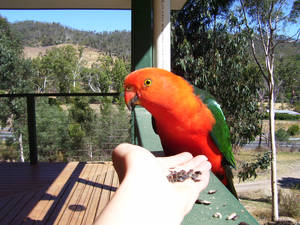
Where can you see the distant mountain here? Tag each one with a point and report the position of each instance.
(38, 34)
(283, 50)
(118, 43)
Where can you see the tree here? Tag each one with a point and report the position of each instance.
(118, 72)
(213, 56)
(82, 118)
(106, 74)
(112, 125)
(264, 20)
(57, 70)
(53, 139)
(288, 71)
(15, 74)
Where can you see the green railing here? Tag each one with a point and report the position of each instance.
(31, 115)
(222, 202)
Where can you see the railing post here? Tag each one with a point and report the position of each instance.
(32, 129)
(132, 129)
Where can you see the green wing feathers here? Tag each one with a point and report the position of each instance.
(221, 136)
(220, 132)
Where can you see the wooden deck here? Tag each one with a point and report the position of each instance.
(55, 193)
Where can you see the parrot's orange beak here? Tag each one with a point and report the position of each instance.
(131, 99)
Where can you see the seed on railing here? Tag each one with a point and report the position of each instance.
(211, 192)
(204, 202)
(217, 215)
(232, 216)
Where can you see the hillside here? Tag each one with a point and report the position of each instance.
(38, 34)
(283, 50)
(89, 55)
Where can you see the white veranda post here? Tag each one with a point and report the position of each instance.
(162, 34)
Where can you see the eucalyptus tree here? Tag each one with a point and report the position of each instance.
(264, 21)
(15, 74)
(57, 70)
(210, 51)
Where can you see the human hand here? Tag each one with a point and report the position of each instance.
(143, 176)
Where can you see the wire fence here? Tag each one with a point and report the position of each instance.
(68, 127)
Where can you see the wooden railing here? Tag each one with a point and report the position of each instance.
(222, 201)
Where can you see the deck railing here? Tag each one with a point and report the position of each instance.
(31, 114)
(223, 203)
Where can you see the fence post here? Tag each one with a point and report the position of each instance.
(32, 129)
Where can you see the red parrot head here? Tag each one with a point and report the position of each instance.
(155, 89)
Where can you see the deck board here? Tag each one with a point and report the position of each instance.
(91, 210)
(55, 193)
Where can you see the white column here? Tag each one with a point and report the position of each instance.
(162, 34)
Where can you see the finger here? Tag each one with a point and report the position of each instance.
(122, 149)
(118, 158)
(123, 157)
(175, 160)
(192, 163)
(201, 164)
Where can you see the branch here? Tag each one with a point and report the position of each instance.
(94, 89)
(261, 32)
(270, 25)
(252, 42)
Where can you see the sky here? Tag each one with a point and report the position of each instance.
(87, 20)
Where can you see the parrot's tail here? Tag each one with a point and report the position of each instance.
(229, 179)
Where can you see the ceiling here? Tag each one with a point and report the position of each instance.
(76, 4)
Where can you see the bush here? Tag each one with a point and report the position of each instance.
(286, 116)
(293, 130)
(249, 169)
(283, 116)
(289, 204)
(297, 107)
(282, 135)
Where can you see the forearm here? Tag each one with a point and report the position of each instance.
(134, 206)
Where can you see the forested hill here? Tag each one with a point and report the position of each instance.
(36, 34)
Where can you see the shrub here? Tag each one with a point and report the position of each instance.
(282, 116)
(286, 116)
(293, 130)
(249, 169)
(282, 135)
(297, 107)
(289, 204)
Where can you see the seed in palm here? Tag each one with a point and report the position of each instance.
(182, 175)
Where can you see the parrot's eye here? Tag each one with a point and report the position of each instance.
(147, 82)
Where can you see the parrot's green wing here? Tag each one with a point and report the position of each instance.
(220, 132)
(220, 135)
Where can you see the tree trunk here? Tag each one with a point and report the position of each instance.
(275, 215)
(21, 148)
(260, 135)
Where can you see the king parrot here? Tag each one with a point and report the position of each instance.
(184, 121)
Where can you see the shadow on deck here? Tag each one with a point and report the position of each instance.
(55, 193)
